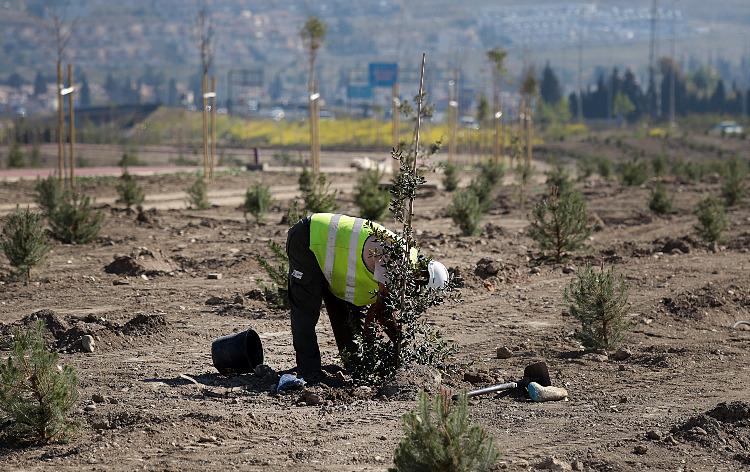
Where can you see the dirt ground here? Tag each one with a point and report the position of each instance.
(644, 412)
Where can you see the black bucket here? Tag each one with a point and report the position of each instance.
(237, 353)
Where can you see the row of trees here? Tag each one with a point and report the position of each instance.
(621, 96)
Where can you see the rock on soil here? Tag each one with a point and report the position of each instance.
(87, 343)
(671, 245)
(215, 301)
(554, 464)
(724, 428)
(145, 324)
(504, 353)
(478, 378)
(621, 354)
(141, 261)
(310, 398)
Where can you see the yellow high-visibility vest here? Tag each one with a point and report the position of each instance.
(338, 244)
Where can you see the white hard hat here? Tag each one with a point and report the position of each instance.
(438, 275)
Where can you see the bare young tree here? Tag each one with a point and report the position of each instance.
(313, 33)
(529, 89)
(204, 36)
(61, 31)
(497, 57)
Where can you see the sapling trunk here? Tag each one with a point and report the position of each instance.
(410, 206)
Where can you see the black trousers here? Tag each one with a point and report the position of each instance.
(308, 288)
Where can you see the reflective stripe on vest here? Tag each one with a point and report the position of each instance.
(338, 244)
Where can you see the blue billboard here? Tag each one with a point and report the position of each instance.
(383, 74)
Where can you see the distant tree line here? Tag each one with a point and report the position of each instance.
(621, 96)
(615, 95)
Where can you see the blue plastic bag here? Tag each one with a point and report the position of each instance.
(290, 382)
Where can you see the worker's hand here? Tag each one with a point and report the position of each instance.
(391, 327)
(377, 314)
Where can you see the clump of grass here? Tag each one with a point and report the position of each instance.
(660, 202)
(277, 268)
(492, 172)
(586, 167)
(558, 179)
(439, 437)
(74, 221)
(450, 176)
(734, 187)
(659, 165)
(599, 300)
(560, 223)
(129, 158)
(258, 201)
(305, 180)
(129, 191)
(633, 173)
(49, 192)
(372, 199)
(604, 168)
(482, 189)
(198, 194)
(24, 241)
(36, 395)
(525, 171)
(688, 172)
(466, 212)
(712, 219)
(317, 193)
(294, 213)
(15, 156)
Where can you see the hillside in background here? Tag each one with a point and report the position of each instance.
(153, 41)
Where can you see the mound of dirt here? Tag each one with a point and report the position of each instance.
(741, 242)
(141, 261)
(486, 268)
(693, 304)
(144, 324)
(724, 428)
(53, 323)
(62, 334)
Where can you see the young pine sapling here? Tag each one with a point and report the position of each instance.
(599, 300)
(198, 194)
(24, 241)
(712, 219)
(559, 223)
(36, 395)
(129, 191)
(258, 201)
(371, 198)
(439, 437)
(75, 221)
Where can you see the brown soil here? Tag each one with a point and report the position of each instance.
(166, 408)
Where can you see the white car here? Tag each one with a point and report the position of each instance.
(728, 128)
